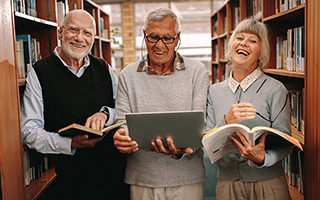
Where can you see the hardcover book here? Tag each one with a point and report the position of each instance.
(77, 129)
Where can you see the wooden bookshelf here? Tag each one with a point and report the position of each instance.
(38, 186)
(278, 23)
(44, 28)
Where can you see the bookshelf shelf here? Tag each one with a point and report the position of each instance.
(38, 186)
(29, 23)
(288, 15)
(283, 72)
(105, 40)
(294, 192)
(214, 38)
(215, 62)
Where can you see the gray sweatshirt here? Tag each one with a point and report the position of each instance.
(181, 91)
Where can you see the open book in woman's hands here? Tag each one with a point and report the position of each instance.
(217, 144)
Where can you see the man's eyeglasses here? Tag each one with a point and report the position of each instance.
(76, 31)
(155, 39)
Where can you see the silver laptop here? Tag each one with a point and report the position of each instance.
(185, 127)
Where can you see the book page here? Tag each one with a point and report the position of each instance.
(217, 144)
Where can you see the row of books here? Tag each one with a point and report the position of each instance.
(104, 32)
(34, 165)
(28, 52)
(215, 28)
(296, 99)
(293, 166)
(62, 10)
(290, 50)
(283, 5)
(256, 9)
(25, 7)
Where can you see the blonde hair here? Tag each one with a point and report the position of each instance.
(261, 31)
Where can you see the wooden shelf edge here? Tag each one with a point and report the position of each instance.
(285, 13)
(284, 72)
(38, 186)
(105, 40)
(35, 19)
(294, 192)
(215, 37)
(223, 60)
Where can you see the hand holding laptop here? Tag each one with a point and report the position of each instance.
(171, 150)
(123, 141)
(170, 133)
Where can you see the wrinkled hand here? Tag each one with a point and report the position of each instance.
(254, 153)
(123, 142)
(239, 112)
(96, 121)
(83, 141)
(171, 150)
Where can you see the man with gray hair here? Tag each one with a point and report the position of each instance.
(73, 86)
(162, 81)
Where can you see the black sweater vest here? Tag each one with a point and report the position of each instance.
(68, 99)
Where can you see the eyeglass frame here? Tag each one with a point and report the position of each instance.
(160, 38)
(78, 31)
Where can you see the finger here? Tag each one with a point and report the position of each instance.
(101, 124)
(172, 146)
(122, 135)
(236, 143)
(187, 150)
(155, 147)
(242, 138)
(263, 138)
(88, 122)
(161, 146)
(127, 149)
(84, 137)
(244, 105)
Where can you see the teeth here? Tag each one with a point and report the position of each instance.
(159, 52)
(242, 52)
(78, 46)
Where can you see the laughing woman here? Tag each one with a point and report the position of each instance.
(252, 98)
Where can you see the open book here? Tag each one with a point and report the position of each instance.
(76, 129)
(217, 144)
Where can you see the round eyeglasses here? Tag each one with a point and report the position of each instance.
(76, 31)
(155, 39)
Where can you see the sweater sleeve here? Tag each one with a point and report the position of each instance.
(277, 149)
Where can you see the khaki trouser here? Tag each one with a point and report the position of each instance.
(187, 192)
(274, 189)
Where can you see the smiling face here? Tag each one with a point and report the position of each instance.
(75, 45)
(246, 51)
(161, 54)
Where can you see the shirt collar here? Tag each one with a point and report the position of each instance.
(178, 65)
(246, 82)
(86, 60)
